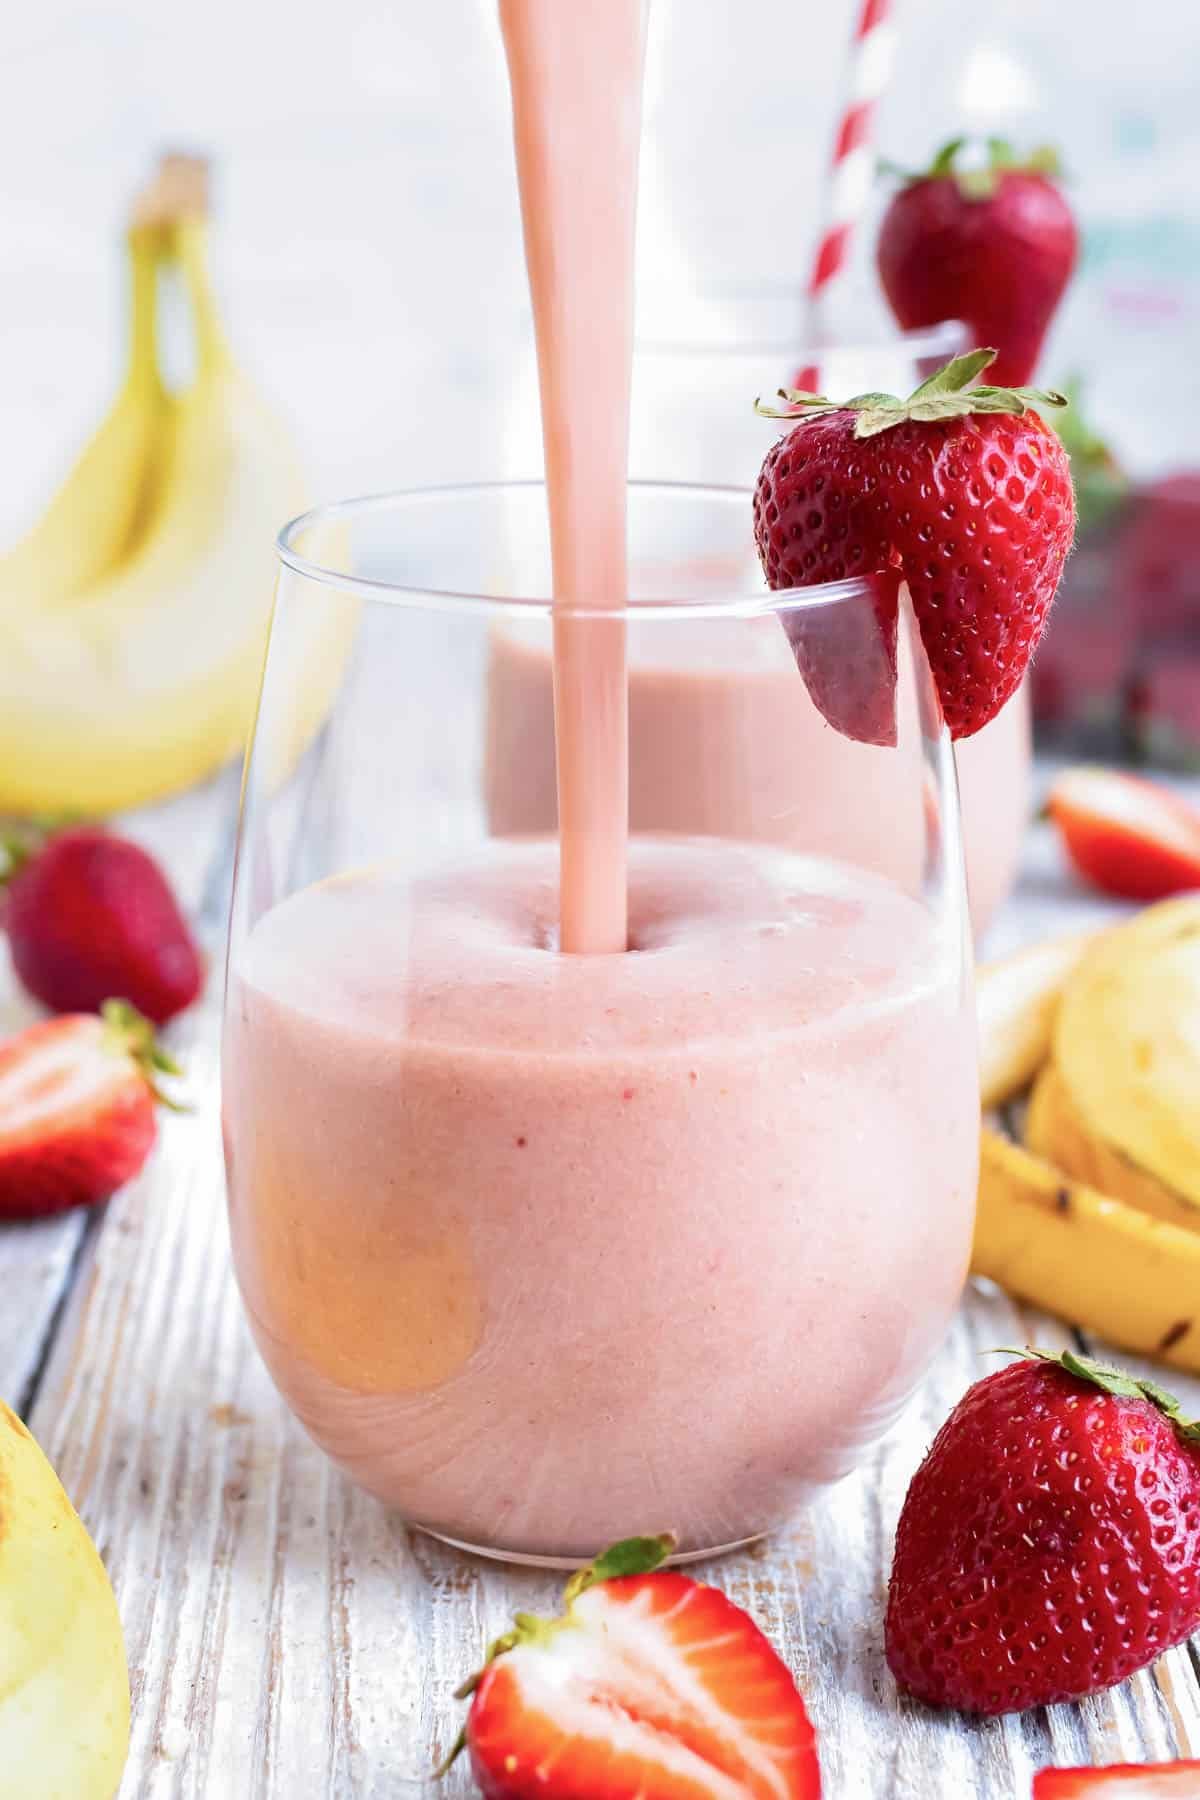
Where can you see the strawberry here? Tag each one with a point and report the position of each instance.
(1129, 1781)
(1049, 1544)
(90, 917)
(960, 490)
(1127, 836)
(1158, 562)
(992, 246)
(650, 1687)
(77, 1099)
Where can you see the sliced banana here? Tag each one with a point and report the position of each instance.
(1017, 999)
(1054, 1130)
(1094, 1261)
(1127, 1043)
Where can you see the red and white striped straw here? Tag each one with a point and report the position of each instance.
(872, 53)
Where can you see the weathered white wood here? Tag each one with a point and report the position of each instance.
(193, 837)
(289, 1638)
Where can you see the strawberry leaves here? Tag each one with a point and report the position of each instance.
(1122, 1385)
(949, 393)
(980, 179)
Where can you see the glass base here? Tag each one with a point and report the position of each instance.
(520, 1559)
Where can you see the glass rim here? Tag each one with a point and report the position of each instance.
(946, 338)
(742, 602)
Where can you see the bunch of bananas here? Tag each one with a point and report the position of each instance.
(133, 615)
(64, 1689)
(1095, 1213)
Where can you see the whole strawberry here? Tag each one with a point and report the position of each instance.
(1049, 1544)
(961, 491)
(91, 917)
(77, 1109)
(650, 1685)
(992, 246)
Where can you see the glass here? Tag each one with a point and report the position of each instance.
(546, 1250)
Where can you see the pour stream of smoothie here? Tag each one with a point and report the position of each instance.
(576, 73)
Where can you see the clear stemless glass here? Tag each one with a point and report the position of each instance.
(546, 1249)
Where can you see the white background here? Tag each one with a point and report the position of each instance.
(368, 248)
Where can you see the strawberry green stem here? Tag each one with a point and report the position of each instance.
(133, 1035)
(949, 393)
(632, 1556)
(980, 179)
(1120, 1384)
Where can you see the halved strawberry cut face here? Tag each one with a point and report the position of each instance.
(653, 1688)
(76, 1115)
(1127, 836)
(1125, 1781)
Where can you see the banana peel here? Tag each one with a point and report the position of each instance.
(64, 1685)
(1127, 1043)
(1054, 1130)
(1017, 999)
(145, 681)
(97, 514)
(1093, 1260)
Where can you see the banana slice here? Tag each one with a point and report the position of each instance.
(1127, 1043)
(1094, 1261)
(1054, 1130)
(1017, 999)
(64, 1689)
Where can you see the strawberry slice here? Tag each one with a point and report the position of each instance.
(77, 1098)
(1132, 1781)
(650, 1687)
(1127, 836)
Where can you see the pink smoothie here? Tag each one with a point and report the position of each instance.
(546, 1250)
(723, 739)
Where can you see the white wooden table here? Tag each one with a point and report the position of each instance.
(287, 1638)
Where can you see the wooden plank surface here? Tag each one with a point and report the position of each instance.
(288, 1638)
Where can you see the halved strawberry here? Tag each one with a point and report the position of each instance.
(1127, 836)
(650, 1687)
(77, 1098)
(1132, 1781)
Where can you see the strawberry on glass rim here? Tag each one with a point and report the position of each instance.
(960, 491)
(992, 243)
(649, 1687)
(1124, 1781)
(1127, 836)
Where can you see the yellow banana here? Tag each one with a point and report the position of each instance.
(145, 683)
(96, 516)
(1017, 999)
(64, 1688)
(1054, 1130)
(1093, 1260)
(1127, 1043)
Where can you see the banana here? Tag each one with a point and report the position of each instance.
(1094, 1261)
(1017, 999)
(64, 1686)
(145, 682)
(1054, 1130)
(1127, 1043)
(96, 516)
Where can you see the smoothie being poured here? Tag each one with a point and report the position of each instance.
(576, 73)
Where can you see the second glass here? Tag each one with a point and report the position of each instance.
(546, 1249)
